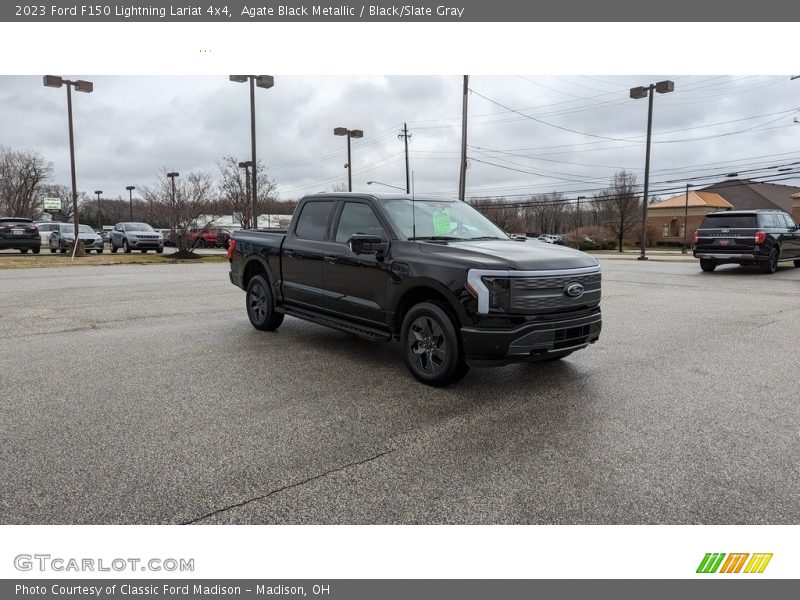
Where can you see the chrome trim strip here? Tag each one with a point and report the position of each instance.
(723, 256)
(475, 279)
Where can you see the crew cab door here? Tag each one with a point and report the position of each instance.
(303, 251)
(357, 282)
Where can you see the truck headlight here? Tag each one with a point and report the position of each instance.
(499, 293)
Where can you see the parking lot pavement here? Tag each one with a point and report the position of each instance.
(141, 394)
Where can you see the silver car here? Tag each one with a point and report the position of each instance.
(136, 236)
(62, 236)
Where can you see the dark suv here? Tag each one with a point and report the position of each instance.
(747, 237)
(20, 234)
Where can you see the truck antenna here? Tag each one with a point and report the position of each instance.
(413, 209)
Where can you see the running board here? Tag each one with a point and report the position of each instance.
(376, 335)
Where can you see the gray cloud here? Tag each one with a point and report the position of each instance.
(131, 126)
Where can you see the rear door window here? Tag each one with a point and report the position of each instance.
(314, 220)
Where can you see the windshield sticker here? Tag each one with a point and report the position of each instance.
(441, 222)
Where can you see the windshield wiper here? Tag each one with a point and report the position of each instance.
(435, 238)
(485, 237)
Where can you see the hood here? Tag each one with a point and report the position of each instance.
(528, 255)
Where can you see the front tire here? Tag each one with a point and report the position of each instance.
(52, 250)
(23, 250)
(772, 262)
(707, 265)
(126, 247)
(432, 347)
(36, 250)
(261, 305)
(144, 251)
(100, 251)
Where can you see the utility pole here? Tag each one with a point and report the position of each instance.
(462, 182)
(685, 219)
(404, 136)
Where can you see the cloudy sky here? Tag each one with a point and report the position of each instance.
(527, 134)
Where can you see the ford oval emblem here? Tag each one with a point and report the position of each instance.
(574, 289)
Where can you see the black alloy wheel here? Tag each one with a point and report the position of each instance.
(261, 306)
(772, 262)
(432, 348)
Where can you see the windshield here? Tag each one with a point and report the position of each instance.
(138, 227)
(451, 220)
(70, 229)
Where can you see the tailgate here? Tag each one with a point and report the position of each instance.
(726, 240)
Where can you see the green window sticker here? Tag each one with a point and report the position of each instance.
(441, 222)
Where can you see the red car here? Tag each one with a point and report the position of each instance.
(213, 237)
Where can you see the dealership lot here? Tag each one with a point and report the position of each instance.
(141, 394)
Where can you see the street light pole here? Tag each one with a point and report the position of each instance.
(98, 192)
(350, 133)
(662, 87)
(685, 219)
(266, 82)
(172, 175)
(130, 189)
(246, 166)
(578, 219)
(81, 86)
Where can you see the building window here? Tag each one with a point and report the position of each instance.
(665, 230)
(683, 230)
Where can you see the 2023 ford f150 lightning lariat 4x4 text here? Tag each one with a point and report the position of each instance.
(435, 274)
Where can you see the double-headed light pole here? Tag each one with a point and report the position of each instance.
(98, 192)
(662, 87)
(350, 133)
(266, 82)
(80, 86)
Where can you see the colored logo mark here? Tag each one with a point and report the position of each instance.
(719, 562)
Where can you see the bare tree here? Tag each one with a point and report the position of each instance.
(192, 197)
(234, 192)
(339, 186)
(503, 213)
(23, 175)
(621, 204)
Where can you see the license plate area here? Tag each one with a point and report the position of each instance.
(724, 242)
(17, 231)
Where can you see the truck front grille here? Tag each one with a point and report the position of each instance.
(537, 295)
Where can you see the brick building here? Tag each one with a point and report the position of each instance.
(666, 218)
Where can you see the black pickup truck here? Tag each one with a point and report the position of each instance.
(436, 274)
(747, 237)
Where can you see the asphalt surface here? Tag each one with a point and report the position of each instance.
(141, 394)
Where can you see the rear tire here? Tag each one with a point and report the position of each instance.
(707, 265)
(160, 251)
(144, 251)
(797, 263)
(99, 251)
(36, 250)
(433, 351)
(23, 250)
(113, 249)
(261, 305)
(772, 262)
(52, 250)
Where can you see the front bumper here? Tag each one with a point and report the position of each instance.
(145, 244)
(530, 342)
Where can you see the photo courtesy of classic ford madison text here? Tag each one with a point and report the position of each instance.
(453, 299)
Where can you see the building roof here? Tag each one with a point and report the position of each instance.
(696, 199)
(744, 194)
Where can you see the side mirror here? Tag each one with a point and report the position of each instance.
(363, 243)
